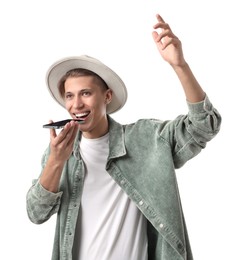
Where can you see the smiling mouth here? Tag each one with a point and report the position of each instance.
(81, 116)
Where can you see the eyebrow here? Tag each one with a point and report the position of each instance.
(80, 91)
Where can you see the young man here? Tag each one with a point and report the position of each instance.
(113, 186)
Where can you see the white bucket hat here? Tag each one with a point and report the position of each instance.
(113, 81)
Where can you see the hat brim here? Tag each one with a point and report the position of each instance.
(113, 81)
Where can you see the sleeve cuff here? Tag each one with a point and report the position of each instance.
(44, 194)
(201, 107)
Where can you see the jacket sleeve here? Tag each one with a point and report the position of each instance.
(189, 134)
(41, 204)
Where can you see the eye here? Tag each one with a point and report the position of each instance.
(86, 93)
(68, 96)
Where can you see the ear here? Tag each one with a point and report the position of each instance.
(108, 96)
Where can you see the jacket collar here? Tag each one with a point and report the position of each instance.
(116, 140)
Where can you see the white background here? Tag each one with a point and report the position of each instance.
(34, 34)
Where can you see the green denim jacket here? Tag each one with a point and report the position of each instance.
(142, 159)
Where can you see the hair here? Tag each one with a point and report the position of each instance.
(77, 73)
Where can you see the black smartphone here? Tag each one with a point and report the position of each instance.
(61, 124)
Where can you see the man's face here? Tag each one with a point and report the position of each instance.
(86, 99)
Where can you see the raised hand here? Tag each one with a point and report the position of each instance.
(168, 44)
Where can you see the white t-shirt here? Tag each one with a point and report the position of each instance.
(110, 226)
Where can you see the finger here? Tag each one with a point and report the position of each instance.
(67, 132)
(73, 135)
(166, 33)
(52, 134)
(58, 138)
(170, 41)
(156, 39)
(160, 25)
(52, 131)
(159, 18)
(155, 35)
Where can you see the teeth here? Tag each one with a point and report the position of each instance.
(81, 114)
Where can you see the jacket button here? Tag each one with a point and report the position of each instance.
(141, 203)
(161, 225)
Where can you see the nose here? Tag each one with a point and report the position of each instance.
(78, 103)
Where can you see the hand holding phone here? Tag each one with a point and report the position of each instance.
(61, 124)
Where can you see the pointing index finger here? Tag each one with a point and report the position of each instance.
(159, 18)
(161, 23)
